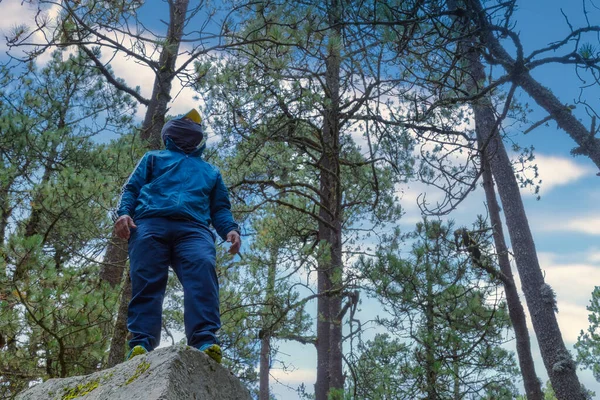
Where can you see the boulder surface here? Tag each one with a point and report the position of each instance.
(171, 373)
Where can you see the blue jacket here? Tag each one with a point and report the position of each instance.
(170, 183)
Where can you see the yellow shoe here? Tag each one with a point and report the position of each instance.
(213, 351)
(136, 351)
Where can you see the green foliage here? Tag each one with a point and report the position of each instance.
(56, 188)
(267, 103)
(447, 321)
(587, 51)
(588, 342)
(270, 102)
(548, 392)
(381, 368)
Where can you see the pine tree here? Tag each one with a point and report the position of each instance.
(290, 101)
(588, 342)
(57, 183)
(447, 323)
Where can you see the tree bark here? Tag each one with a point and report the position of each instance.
(430, 372)
(32, 227)
(120, 332)
(456, 370)
(115, 261)
(267, 330)
(265, 352)
(485, 112)
(330, 378)
(588, 144)
(539, 296)
(161, 92)
(532, 384)
(151, 129)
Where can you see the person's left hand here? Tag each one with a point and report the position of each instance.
(234, 238)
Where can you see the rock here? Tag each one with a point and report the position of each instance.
(171, 373)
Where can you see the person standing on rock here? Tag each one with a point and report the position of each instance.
(166, 209)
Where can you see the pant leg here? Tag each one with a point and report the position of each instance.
(149, 255)
(194, 261)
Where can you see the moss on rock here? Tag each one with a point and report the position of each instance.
(141, 368)
(79, 390)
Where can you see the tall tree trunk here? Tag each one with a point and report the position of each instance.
(115, 261)
(5, 213)
(120, 333)
(532, 384)
(267, 330)
(32, 227)
(330, 379)
(161, 92)
(456, 371)
(265, 366)
(539, 296)
(430, 372)
(588, 144)
(151, 128)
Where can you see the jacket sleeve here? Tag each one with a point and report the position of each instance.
(220, 209)
(132, 187)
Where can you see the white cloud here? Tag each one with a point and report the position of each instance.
(572, 319)
(573, 282)
(17, 12)
(12, 15)
(134, 73)
(412, 194)
(12, 12)
(593, 256)
(137, 74)
(559, 171)
(589, 225)
(585, 224)
(285, 383)
(295, 377)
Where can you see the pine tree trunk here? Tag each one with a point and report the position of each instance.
(330, 378)
(265, 352)
(588, 144)
(429, 332)
(151, 129)
(161, 92)
(539, 296)
(323, 286)
(532, 384)
(267, 330)
(456, 370)
(115, 261)
(120, 332)
(32, 227)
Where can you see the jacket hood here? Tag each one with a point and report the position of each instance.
(184, 134)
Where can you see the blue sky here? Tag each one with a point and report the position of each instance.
(565, 222)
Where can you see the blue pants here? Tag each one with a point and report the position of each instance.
(189, 248)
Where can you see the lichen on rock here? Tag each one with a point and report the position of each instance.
(171, 373)
(79, 390)
(140, 369)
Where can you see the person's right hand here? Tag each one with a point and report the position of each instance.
(122, 226)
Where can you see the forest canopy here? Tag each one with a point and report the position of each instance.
(414, 181)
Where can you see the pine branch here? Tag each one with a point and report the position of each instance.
(112, 80)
